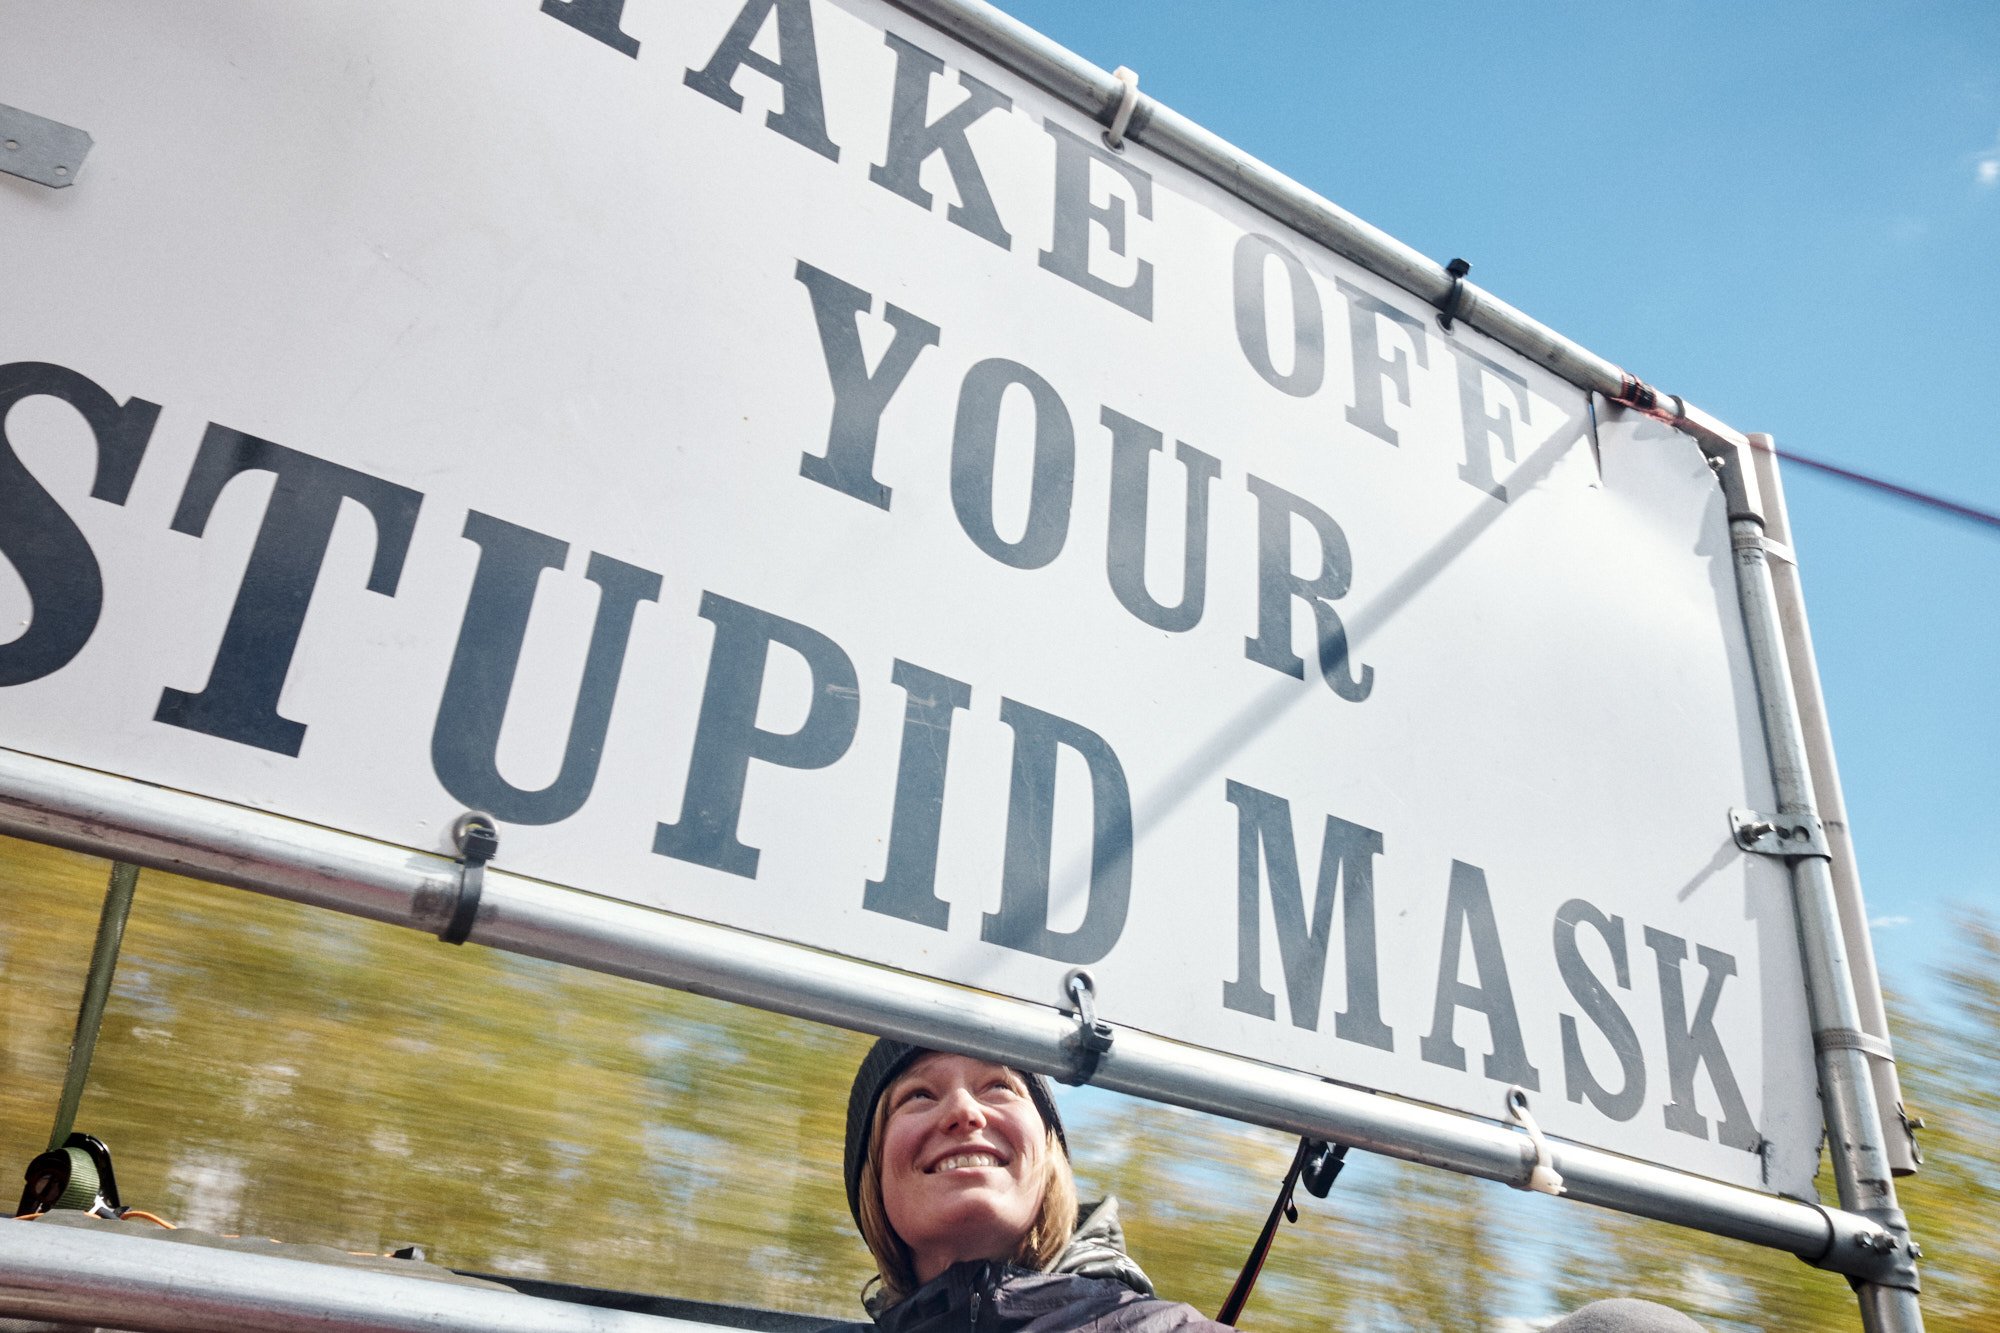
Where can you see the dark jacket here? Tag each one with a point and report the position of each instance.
(1094, 1286)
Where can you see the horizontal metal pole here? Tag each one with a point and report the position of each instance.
(97, 1279)
(1097, 94)
(109, 816)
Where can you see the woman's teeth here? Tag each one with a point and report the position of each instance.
(966, 1159)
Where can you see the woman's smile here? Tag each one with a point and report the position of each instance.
(960, 1161)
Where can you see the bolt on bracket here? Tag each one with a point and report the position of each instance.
(1778, 835)
(37, 149)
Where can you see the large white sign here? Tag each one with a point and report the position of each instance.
(793, 473)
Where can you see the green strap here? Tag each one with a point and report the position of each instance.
(96, 992)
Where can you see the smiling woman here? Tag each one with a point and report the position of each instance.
(967, 1166)
(958, 1175)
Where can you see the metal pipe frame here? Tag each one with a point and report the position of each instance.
(1866, 1239)
(93, 812)
(1843, 991)
(84, 1279)
(1076, 81)
(1855, 1142)
(1904, 1158)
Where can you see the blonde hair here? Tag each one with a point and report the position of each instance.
(1045, 1240)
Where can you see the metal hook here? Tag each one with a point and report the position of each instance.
(1093, 1035)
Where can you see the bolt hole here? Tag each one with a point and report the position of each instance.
(13, 143)
(62, 171)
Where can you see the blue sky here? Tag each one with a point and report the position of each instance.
(1787, 213)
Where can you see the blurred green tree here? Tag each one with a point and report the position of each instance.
(1951, 1078)
(274, 1070)
(1950, 1067)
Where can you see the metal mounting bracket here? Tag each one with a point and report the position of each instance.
(41, 150)
(1779, 835)
(1886, 1255)
(1847, 1039)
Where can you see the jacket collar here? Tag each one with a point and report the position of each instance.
(949, 1290)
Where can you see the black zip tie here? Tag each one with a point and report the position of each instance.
(1448, 311)
(478, 838)
(1093, 1034)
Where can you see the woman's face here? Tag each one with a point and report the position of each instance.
(962, 1156)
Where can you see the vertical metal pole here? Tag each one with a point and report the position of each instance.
(1854, 1128)
(96, 991)
(1896, 1124)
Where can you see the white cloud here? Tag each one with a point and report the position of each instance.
(1888, 922)
(1986, 166)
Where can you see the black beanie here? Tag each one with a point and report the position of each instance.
(885, 1060)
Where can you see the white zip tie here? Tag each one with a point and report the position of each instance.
(1128, 100)
(1543, 1178)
